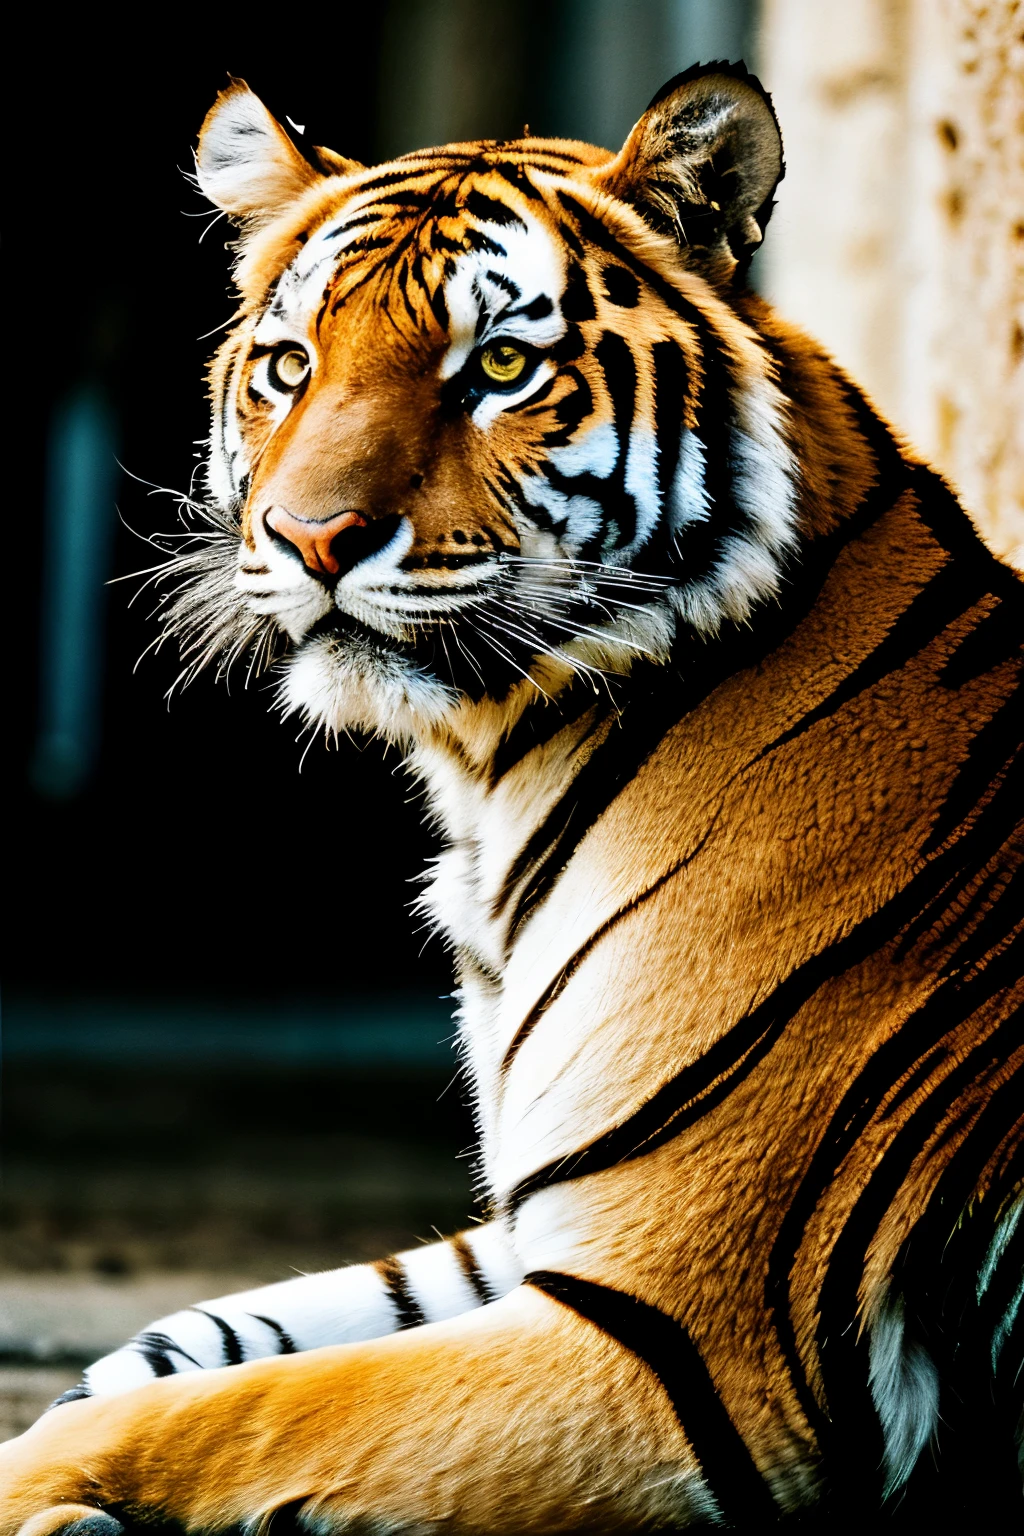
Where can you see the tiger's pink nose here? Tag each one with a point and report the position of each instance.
(313, 537)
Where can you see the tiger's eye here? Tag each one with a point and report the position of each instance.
(502, 362)
(291, 367)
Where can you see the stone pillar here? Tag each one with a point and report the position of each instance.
(899, 236)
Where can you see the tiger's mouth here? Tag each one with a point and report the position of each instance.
(341, 626)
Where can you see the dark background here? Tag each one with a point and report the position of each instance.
(180, 851)
(209, 961)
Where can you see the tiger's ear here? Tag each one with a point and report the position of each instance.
(702, 164)
(248, 165)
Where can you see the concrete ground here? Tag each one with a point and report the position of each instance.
(125, 1198)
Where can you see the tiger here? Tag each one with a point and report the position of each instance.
(715, 695)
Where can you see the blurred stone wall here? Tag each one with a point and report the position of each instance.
(899, 236)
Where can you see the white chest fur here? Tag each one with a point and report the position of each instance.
(470, 898)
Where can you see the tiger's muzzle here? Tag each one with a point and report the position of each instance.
(329, 547)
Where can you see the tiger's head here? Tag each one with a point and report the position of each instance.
(488, 418)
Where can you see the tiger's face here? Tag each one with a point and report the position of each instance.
(487, 418)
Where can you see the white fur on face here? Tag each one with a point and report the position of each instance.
(489, 291)
(341, 684)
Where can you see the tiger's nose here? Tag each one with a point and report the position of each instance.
(314, 537)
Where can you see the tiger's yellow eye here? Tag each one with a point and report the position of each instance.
(291, 367)
(502, 362)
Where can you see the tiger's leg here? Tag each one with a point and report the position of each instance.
(339, 1306)
(521, 1416)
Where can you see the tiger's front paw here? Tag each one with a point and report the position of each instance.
(186, 1450)
(63, 1476)
(39, 1496)
(71, 1520)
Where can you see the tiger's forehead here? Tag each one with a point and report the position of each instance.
(449, 253)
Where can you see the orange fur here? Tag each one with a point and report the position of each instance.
(788, 923)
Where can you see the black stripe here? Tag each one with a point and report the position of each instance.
(535, 728)
(954, 530)
(556, 987)
(490, 211)
(577, 300)
(404, 200)
(345, 227)
(537, 309)
(392, 178)
(515, 176)
(513, 290)
(409, 1312)
(941, 1013)
(621, 287)
(666, 1348)
(439, 241)
(706, 1082)
(655, 704)
(975, 779)
(156, 1349)
(661, 696)
(996, 639)
(946, 595)
(618, 365)
(534, 403)
(402, 280)
(373, 271)
(571, 239)
(72, 1395)
(570, 348)
(958, 928)
(438, 303)
(669, 405)
(476, 240)
(696, 546)
(615, 358)
(999, 638)
(232, 1343)
(569, 412)
(842, 1352)
(916, 1079)
(1003, 916)
(996, 744)
(285, 1342)
(471, 1271)
(365, 245)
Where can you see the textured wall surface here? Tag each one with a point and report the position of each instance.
(899, 236)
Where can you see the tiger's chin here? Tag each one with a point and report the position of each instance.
(352, 681)
(345, 675)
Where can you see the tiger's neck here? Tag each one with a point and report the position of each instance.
(518, 796)
(499, 783)
(561, 827)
